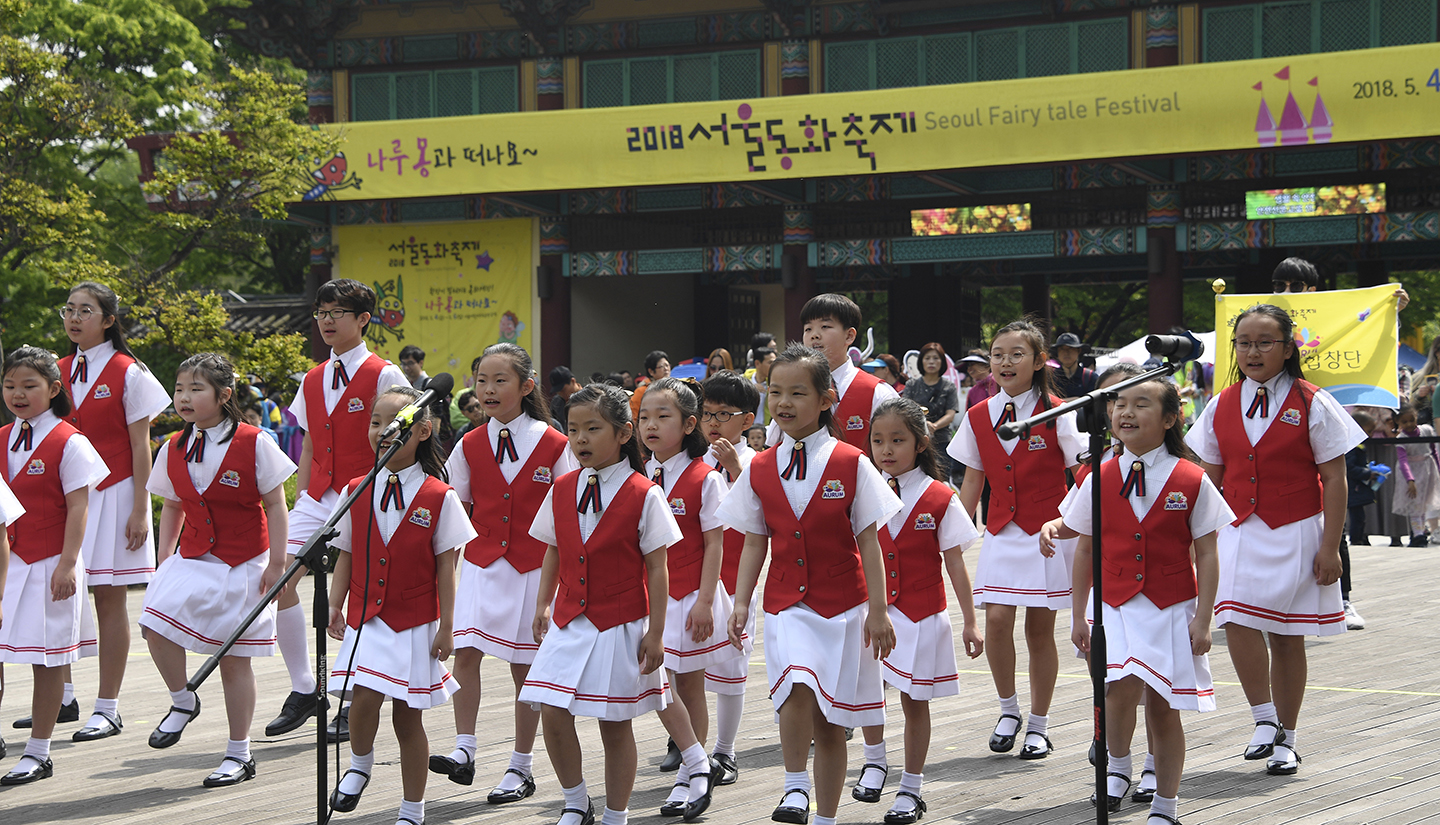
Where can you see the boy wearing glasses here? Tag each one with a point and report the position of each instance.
(333, 407)
(1299, 275)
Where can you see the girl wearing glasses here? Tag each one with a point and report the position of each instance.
(1027, 483)
(1276, 446)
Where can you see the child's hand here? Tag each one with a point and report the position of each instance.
(1048, 532)
(137, 528)
(701, 621)
(879, 633)
(1080, 636)
(738, 619)
(541, 625)
(974, 641)
(1411, 484)
(724, 453)
(1327, 567)
(62, 583)
(336, 630)
(272, 574)
(1200, 635)
(652, 652)
(444, 643)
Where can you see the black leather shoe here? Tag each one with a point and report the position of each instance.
(1253, 752)
(461, 773)
(724, 770)
(790, 813)
(868, 794)
(162, 739)
(297, 708)
(38, 769)
(111, 726)
(672, 760)
(3, 749)
(999, 742)
(1142, 793)
(346, 802)
(675, 808)
(1167, 820)
(1286, 761)
(694, 809)
(339, 728)
(68, 713)
(1029, 751)
(499, 797)
(232, 774)
(1094, 751)
(587, 816)
(894, 817)
(1112, 803)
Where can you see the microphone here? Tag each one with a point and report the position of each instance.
(1176, 347)
(438, 386)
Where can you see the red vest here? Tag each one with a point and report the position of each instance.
(340, 446)
(1037, 467)
(1150, 556)
(227, 520)
(498, 507)
(733, 544)
(101, 416)
(839, 583)
(40, 533)
(685, 557)
(1276, 479)
(618, 578)
(406, 563)
(852, 414)
(914, 569)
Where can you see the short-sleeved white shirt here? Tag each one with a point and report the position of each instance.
(525, 433)
(965, 449)
(1208, 513)
(1333, 432)
(956, 529)
(390, 376)
(657, 526)
(80, 464)
(742, 451)
(10, 506)
(144, 397)
(712, 488)
(272, 466)
(452, 530)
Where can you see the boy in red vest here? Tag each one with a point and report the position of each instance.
(333, 407)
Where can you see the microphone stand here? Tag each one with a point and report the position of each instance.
(314, 554)
(1091, 417)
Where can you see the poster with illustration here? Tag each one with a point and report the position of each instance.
(451, 289)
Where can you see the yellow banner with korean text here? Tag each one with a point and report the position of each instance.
(1346, 339)
(451, 289)
(1373, 94)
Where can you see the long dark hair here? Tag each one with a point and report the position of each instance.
(1287, 338)
(217, 371)
(913, 416)
(689, 396)
(427, 452)
(533, 403)
(817, 371)
(109, 304)
(41, 361)
(614, 407)
(1043, 383)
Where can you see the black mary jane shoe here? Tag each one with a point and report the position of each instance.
(864, 793)
(1094, 751)
(1253, 752)
(39, 769)
(110, 726)
(163, 739)
(1031, 752)
(68, 713)
(1167, 820)
(672, 760)
(999, 742)
(1143, 794)
(1284, 767)
(344, 803)
(224, 777)
(693, 810)
(894, 817)
(3, 748)
(297, 708)
(499, 797)
(675, 808)
(587, 816)
(724, 770)
(461, 773)
(339, 728)
(790, 813)
(1112, 803)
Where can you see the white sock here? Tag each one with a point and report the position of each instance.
(679, 792)
(518, 762)
(290, 635)
(797, 781)
(577, 797)
(37, 749)
(728, 710)
(910, 783)
(69, 695)
(464, 748)
(695, 764)
(614, 817)
(824, 820)
(1037, 724)
(1148, 780)
(1009, 707)
(413, 811)
(353, 783)
(111, 706)
(238, 748)
(1164, 807)
(1289, 739)
(175, 722)
(1150, 762)
(1122, 765)
(874, 755)
(1264, 734)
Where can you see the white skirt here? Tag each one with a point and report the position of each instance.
(1267, 579)
(107, 562)
(1012, 571)
(827, 655)
(922, 665)
(596, 673)
(728, 678)
(1427, 488)
(308, 516)
(37, 630)
(1154, 644)
(396, 664)
(197, 603)
(682, 653)
(495, 611)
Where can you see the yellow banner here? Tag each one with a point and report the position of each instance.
(451, 289)
(1340, 97)
(1346, 340)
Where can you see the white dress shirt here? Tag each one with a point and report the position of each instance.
(657, 526)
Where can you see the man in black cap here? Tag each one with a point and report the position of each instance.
(1071, 380)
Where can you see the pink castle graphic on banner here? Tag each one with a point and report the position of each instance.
(1293, 129)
